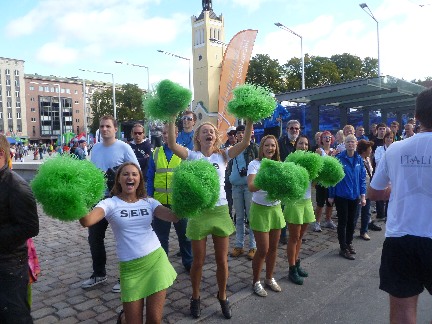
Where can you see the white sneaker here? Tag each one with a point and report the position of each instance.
(259, 290)
(272, 284)
(316, 227)
(93, 281)
(330, 224)
(116, 288)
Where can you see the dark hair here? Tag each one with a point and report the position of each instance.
(423, 110)
(363, 145)
(276, 156)
(188, 112)
(381, 125)
(297, 140)
(117, 189)
(109, 117)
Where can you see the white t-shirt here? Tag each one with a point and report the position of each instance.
(131, 224)
(407, 165)
(219, 163)
(260, 196)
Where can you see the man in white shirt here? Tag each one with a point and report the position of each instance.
(406, 262)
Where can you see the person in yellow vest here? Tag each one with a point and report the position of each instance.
(159, 177)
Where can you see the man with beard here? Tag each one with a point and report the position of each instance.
(286, 142)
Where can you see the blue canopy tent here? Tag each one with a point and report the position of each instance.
(13, 140)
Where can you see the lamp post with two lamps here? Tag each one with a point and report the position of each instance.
(301, 49)
(183, 58)
(141, 66)
(366, 9)
(113, 88)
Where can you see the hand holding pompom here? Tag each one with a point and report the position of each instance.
(67, 187)
(251, 102)
(331, 173)
(170, 98)
(312, 162)
(195, 187)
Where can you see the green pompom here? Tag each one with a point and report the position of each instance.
(331, 173)
(282, 181)
(312, 162)
(195, 187)
(251, 102)
(67, 188)
(169, 99)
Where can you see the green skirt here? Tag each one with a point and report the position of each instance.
(142, 277)
(216, 221)
(299, 212)
(265, 218)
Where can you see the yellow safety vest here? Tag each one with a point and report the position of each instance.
(163, 175)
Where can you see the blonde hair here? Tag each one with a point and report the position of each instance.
(276, 156)
(5, 147)
(217, 144)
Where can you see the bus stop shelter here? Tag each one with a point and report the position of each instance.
(385, 94)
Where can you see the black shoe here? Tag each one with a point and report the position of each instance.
(351, 249)
(283, 240)
(345, 254)
(373, 227)
(195, 307)
(301, 272)
(187, 268)
(119, 318)
(225, 306)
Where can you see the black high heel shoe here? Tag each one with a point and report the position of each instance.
(119, 318)
(225, 306)
(195, 307)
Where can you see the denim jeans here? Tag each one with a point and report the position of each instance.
(346, 210)
(242, 198)
(14, 278)
(162, 229)
(364, 211)
(97, 247)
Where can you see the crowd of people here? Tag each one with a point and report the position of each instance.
(138, 201)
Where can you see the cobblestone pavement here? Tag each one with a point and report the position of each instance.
(65, 261)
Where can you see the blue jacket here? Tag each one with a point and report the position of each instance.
(279, 112)
(354, 183)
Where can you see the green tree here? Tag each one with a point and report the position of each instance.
(265, 72)
(128, 104)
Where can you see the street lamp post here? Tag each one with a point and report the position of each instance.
(183, 58)
(301, 48)
(113, 87)
(366, 9)
(141, 66)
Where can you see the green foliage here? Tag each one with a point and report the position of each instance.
(67, 187)
(195, 187)
(251, 102)
(265, 72)
(331, 173)
(169, 99)
(282, 181)
(312, 162)
(128, 104)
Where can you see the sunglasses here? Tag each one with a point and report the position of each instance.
(138, 133)
(326, 137)
(187, 118)
(294, 128)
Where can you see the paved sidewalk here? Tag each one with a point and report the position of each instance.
(65, 262)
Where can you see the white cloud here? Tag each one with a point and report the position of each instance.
(56, 54)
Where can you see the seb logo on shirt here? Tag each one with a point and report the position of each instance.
(134, 213)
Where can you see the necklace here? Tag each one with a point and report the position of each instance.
(128, 200)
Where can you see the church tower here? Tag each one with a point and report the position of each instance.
(207, 62)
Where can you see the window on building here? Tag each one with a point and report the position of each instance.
(17, 94)
(62, 90)
(7, 82)
(33, 120)
(52, 89)
(34, 130)
(77, 111)
(76, 101)
(68, 91)
(9, 115)
(1, 115)
(32, 109)
(16, 83)
(31, 88)
(76, 120)
(32, 99)
(18, 115)
(41, 88)
(46, 89)
(76, 91)
(18, 104)
(16, 72)
(7, 72)
(8, 93)
(8, 104)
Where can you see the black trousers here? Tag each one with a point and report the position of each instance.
(346, 211)
(97, 247)
(14, 278)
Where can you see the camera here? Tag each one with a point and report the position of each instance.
(243, 172)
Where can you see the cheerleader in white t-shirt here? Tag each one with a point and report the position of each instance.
(145, 272)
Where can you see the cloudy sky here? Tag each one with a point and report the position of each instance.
(58, 37)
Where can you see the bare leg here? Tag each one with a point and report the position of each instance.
(302, 231)
(262, 242)
(403, 310)
(274, 236)
(328, 212)
(154, 307)
(318, 212)
(199, 253)
(134, 311)
(293, 241)
(221, 245)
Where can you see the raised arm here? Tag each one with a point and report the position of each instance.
(177, 149)
(93, 217)
(240, 147)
